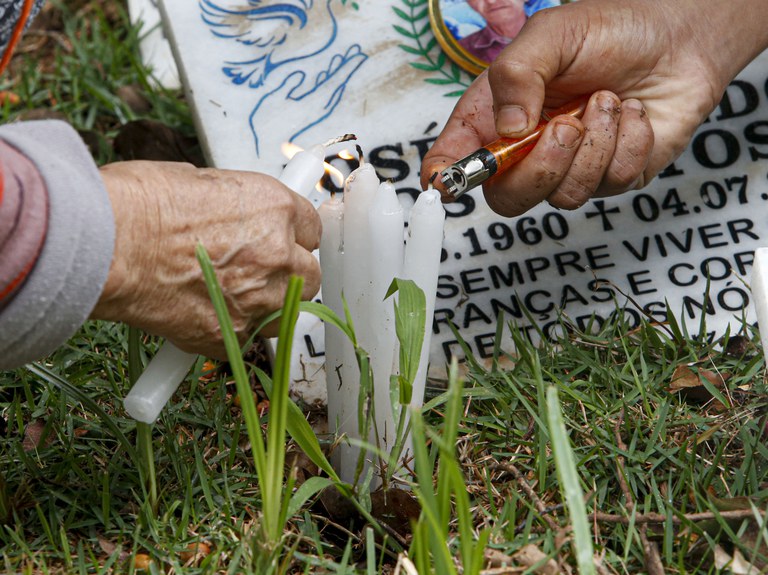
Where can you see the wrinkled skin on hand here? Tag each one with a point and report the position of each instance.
(257, 232)
(656, 69)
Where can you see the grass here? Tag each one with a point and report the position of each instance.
(75, 61)
(581, 438)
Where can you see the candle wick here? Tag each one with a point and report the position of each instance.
(360, 155)
(433, 177)
(339, 139)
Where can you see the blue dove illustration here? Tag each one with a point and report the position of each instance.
(264, 27)
(320, 93)
(287, 60)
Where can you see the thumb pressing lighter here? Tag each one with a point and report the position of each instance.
(498, 156)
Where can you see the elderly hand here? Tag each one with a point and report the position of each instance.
(257, 232)
(657, 69)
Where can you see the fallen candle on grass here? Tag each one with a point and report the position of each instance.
(157, 383)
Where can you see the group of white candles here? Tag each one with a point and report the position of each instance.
(363, 248)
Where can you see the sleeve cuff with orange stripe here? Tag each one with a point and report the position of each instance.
(59, 258)
(23, 220)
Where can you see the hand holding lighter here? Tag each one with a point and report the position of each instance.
(500, 155)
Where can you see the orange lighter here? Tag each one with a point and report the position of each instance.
(498, 156)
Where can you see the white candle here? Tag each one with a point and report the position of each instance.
(759, 287)
(359, 191)
(301, 174)
(422, 263)
(157, 383)
(304, 170)
(386, 250)
(332, 263)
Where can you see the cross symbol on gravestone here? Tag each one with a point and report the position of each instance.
(603, 213)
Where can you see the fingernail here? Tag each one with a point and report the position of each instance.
(566, 135)
(633, 104)
(607, 102)
(511, 119)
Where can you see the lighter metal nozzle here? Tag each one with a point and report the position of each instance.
(468, 173)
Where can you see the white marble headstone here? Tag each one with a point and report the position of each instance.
(329, 67)
(154, 47)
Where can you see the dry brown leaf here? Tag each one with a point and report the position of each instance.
(495, 558)
(33, 435)
(142, 561)
(195, 552)
(688, 381)
(109, 547)
(686, 377)
(531, 555)
(683, 378)
(735, 564)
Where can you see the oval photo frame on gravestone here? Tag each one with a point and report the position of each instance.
(456, 22)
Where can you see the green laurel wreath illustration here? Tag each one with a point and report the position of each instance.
(422, 43)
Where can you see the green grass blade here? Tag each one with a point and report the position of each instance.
(301, 432)
(410, 317)
(431, 508)
(569, 484)
(278, 411)
(321, 311)
(237, 365)
(59, 382)
(305, 492)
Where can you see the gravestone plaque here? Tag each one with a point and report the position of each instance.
(263, 73)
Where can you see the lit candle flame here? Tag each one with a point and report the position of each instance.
(290, 149)
(335, 174)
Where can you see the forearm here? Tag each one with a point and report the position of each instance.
(70, 270)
